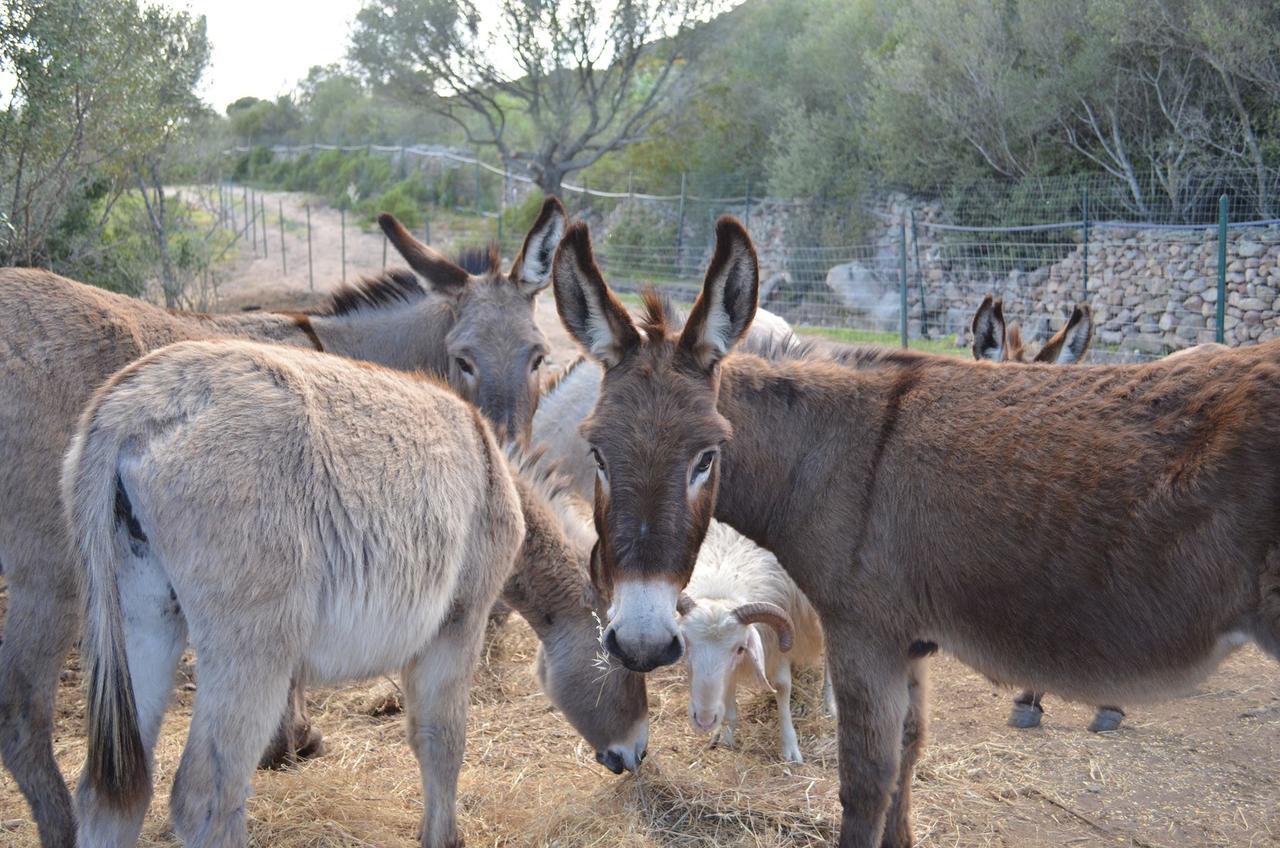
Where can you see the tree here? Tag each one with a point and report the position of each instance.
(552, 85)
(90, 97)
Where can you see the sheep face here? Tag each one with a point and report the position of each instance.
(720, 649)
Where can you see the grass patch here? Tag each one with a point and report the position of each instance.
(848, 335)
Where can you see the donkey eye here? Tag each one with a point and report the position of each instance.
(742, 649)
(704, 462)
(537, 362)
(595, 454)
(464, 366)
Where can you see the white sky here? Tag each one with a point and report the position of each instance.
(263, 47)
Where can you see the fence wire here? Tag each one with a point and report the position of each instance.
(1142, 254)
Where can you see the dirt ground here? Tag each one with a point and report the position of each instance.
(1203, 770)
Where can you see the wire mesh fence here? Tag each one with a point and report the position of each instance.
(1144, 253)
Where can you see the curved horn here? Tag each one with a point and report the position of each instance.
(762, 612)
(685, 603)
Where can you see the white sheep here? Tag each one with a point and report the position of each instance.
(743, 619)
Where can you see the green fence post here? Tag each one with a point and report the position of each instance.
(426, 231)
(477, 209)
(1221, 330)
(915, 243)
(342, 217)
(902, 280)
(747, 223)
(1085, 210)
(262, 210)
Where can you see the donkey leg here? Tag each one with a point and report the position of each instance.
(238, 699)
(782, 694)
(155, 634)
(42, 623)
(436, 687)
(871, 685)
(1106, 719)
(828, 694)
(295, 739)
(897, 832)
(1026, 712)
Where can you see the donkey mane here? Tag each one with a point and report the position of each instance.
(480, 260)
(661, 318)
(550, 387)
(399, 285)
(544, 477)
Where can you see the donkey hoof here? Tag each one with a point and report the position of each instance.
(1106, 720)
(312, 746)
(1025, 716)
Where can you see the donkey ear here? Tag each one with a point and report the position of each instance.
(1071, 343)
(725, 308)
(989, 330)
(443, 276)
(588, 309)
(532, 269)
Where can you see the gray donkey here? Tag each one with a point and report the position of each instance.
(60, 340)
(279, 510)
(390, 521)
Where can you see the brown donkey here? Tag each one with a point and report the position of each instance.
(1147, 495)
(995, 341)
(60, 340)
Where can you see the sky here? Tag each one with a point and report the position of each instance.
(263, 47)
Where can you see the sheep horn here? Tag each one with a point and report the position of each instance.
(685, 603)
(763, 612)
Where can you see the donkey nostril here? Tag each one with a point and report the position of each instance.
(611, 645)
(673, 652)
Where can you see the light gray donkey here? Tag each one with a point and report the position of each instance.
(279, 510)
(60, 340)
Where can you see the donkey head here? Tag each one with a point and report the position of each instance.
(605, 703)
(494, 348)
(995, 341)
(655, 433)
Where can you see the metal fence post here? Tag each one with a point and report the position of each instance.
(477, 208)
(680, 223)
(1085, 210)
(426, 231)
(384, 251)
(342, 217)
(1221, 328)
(262, 208)
(902, 280)
(284, 262)
(311, 276)
(747, 222)
(249, 223)
(915, 243)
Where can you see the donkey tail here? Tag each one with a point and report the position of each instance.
(100, 518)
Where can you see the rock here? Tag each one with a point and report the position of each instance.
(1248, 248)
(1250, 304)
(860, 289)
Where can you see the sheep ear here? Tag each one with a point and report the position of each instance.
(755, 650)
(989, 330)
(1071, 343)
